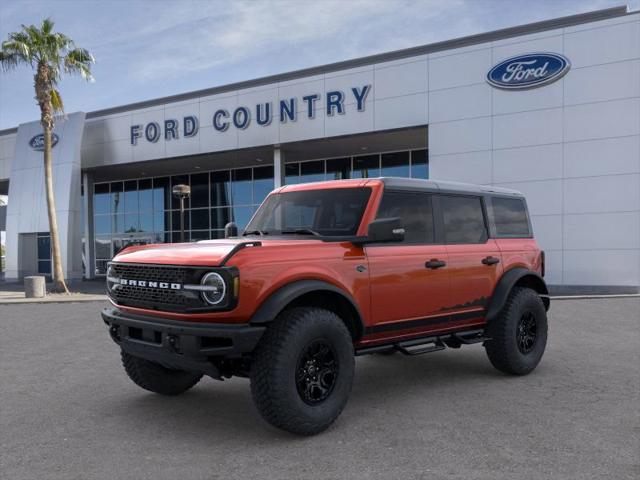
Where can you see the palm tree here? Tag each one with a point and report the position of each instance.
(50, 55)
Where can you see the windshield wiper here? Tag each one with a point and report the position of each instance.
(301, 231)
(254, 232)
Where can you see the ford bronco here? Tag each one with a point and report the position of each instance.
(327, 271)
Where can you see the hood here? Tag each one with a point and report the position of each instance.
(210, 253)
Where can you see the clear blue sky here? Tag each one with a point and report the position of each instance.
(149, 49)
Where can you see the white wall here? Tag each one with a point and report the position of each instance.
(573, 146)
(7, 151)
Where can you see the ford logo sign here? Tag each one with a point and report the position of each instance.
(528, 71)
(37, 142)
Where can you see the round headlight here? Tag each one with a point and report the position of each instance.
(110, 277)
(215, 288)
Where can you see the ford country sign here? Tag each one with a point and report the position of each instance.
(528, 71)
(37, 142)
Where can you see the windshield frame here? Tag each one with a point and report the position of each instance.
(264, 215)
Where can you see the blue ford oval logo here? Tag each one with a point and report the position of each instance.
(37, 142)
(528, 71)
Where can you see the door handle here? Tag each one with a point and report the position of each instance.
(435, 263)
(490, 260)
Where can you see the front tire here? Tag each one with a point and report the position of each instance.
(518, 334)
(302, 370)
(156, 378)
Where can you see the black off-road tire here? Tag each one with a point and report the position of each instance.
(511, 350)
(156, 378)
(277, 381)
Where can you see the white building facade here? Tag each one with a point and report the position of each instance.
(551, 109)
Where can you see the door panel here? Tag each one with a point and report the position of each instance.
(472, 281)
(402, 287)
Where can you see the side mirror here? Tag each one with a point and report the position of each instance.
(385, 230)
(230, 230)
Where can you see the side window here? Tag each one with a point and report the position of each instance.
(463, 219)
(415, 211)
(510, 217)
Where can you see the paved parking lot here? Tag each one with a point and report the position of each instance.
(68, 411)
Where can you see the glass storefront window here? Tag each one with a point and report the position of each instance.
(242, 215)
(312, 171)
(262, 183)
(117, 192)
(200, 218)
(241, 193)
(338, 168)
(161, 194)
(220, 189)
(395, 164)
(420, 164)
(131, 203)
(101, 198)
(367, 166)
(145, 195)
(292, 173)
(220, 217)
(144, 210)
(200, 190)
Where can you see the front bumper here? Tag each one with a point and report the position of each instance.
(180, 345)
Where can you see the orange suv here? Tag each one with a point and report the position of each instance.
(325, 272)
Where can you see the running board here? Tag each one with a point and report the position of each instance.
(433, 343)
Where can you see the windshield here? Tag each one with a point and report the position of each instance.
(328, 212)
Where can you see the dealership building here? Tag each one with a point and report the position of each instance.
(551, 109)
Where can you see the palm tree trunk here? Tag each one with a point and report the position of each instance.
(59, 284)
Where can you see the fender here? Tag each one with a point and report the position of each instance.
(282, 297)
(506, 284)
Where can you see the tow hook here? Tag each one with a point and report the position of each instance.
(114, 331)
(172, 342)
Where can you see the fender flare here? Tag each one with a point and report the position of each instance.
(282, 297)
(506, 284)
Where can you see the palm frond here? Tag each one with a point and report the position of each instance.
(56, 101)
(79, 61)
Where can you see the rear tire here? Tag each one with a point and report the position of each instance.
(519, 334)
(156, 378)
(302, 370)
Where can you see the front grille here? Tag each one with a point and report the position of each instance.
(164, 299)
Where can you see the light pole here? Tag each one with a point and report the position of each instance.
(182, 192)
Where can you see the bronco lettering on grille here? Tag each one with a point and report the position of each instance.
(150, 284)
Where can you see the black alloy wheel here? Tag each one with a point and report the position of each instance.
(317, 372)
(527, 332)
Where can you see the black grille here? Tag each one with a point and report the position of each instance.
(165, 299)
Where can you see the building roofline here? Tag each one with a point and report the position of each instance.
(494, 35)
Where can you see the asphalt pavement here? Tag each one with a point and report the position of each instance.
(68, 411)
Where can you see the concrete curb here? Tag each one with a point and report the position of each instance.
(57, 299)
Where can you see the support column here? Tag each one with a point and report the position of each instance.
(87, 222)
(278, 167)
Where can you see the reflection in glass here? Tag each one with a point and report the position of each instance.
(200, 190)
(101, 198)
(312, 171)
(103, 247)
(102, 224)
(161, 221)
(338, 168)
(145, 195)
(420, 164)
(220, 189)
(146, 222)
(241, 186)
(220, 217)
(161, 194)
(262, 183)
(131, 196)
(242, 215)
(175, 220)
(131, 223)
(44, 247)
(366, 167)
(292, 173)
(44, 267)
(395, 164)
(116, 198)
(200, 219)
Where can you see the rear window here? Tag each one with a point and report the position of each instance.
(463, 219)
(510, 217)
